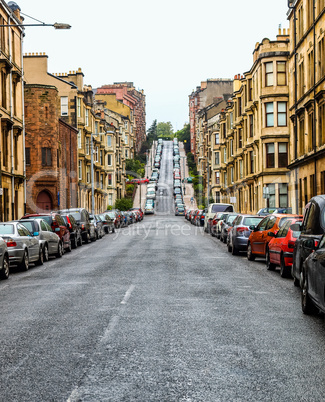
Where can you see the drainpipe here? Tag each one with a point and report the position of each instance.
(11, 131)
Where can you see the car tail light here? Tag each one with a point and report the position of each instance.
(10, 242)
(241, 229)
(83, 226)
(316, 243)
(291, 244)
(69, 223)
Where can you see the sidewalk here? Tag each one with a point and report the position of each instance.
(189, 190)
(141, 190)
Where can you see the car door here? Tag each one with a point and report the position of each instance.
(316, 274)
(31, 242)
(257, 242)
(265, 237)
(49, 236)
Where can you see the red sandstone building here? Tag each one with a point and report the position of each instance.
(51, 152)
(136, 100)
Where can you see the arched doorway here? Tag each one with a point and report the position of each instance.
(44, 202)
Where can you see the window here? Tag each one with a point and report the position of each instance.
(225, 179)
(231, 119)
(249, 90)
(217, 139)
(126, 153)
(269, 74)
(217, 158)
(3, 88)
(270, 223)
(126, 139)
(96, 154)
(269, 111)
(241, 173)
(240, 138)
(109, 180)
(231, 175)
(283, 195)
(80, 169)
(64, 106)
(251, 158)
(79, 139)
(101, 157)
(46, 157)
(87, 146)
(231, 147)
(78, 107)
(281, 73)
(271, 193)
(217, 178)
(109, 160)
(270, 155)
(109, 140)
(251, 125)
(88, 174)
(27, 156)
(86, 117)
(282, 114)
(110, 199)
(225, 154)
(283, 154)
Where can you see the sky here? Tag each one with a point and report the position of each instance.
(164, 47)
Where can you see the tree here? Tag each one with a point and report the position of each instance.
(184, 136)
(165, 129)
(152, 132)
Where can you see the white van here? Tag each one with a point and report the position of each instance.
(214, 208)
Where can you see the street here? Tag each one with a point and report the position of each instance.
(158, 311)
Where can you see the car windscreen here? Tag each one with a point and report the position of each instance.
(47, 219)
(111, 215)
(28, 225)
(231, 218)
(221, 208)
(7, 229)
(250, 221)
(76, 215)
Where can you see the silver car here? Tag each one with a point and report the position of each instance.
(4, 260)
(49, 241)
(23, 247)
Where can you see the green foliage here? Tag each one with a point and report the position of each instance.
(191, 164)
(184, 136)
(201, 206)
(109, 207)
(135, 167)
(165, 129)
(129, 188)
(152, 132)
(124, 204)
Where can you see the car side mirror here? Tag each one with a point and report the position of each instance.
(271, 234)
(252, 228)
(295, 227)
(57, 230)
(35, 234)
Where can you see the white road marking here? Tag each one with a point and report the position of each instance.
(127, 294)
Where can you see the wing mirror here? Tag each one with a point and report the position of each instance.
(271, 234)
(35, 234)
(295, 227)
(252, 228)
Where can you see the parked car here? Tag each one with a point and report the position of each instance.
(139, 210)
(149, 208)
(240, 231)
(55, 220)
(109, 221)
(81, 216)
(215, 207)
(49, 241)
(23, 247)
(259, 238)
(226, 226)
(99, 226)
(280, 248)
(313, 279)
(180, 210)
(74, 229)
(4, 260)
(312, 228)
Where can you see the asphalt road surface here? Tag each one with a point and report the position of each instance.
(159, 311)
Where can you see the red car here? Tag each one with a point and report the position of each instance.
(280, 248)
(138, 181)
(58, 226)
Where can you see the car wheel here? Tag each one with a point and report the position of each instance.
(250, 255)
(307, 305)
(24, 265)
(4, 272)
(284, 270)
(87, 238)
(80, 240)
(75, 242)
(234, 250)
(229, 248)
(40, 260)
(113, 230)
(269, 265)
(59, 253)
(45, 253)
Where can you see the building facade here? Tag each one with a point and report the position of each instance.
(307, 100)
(12, 135)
